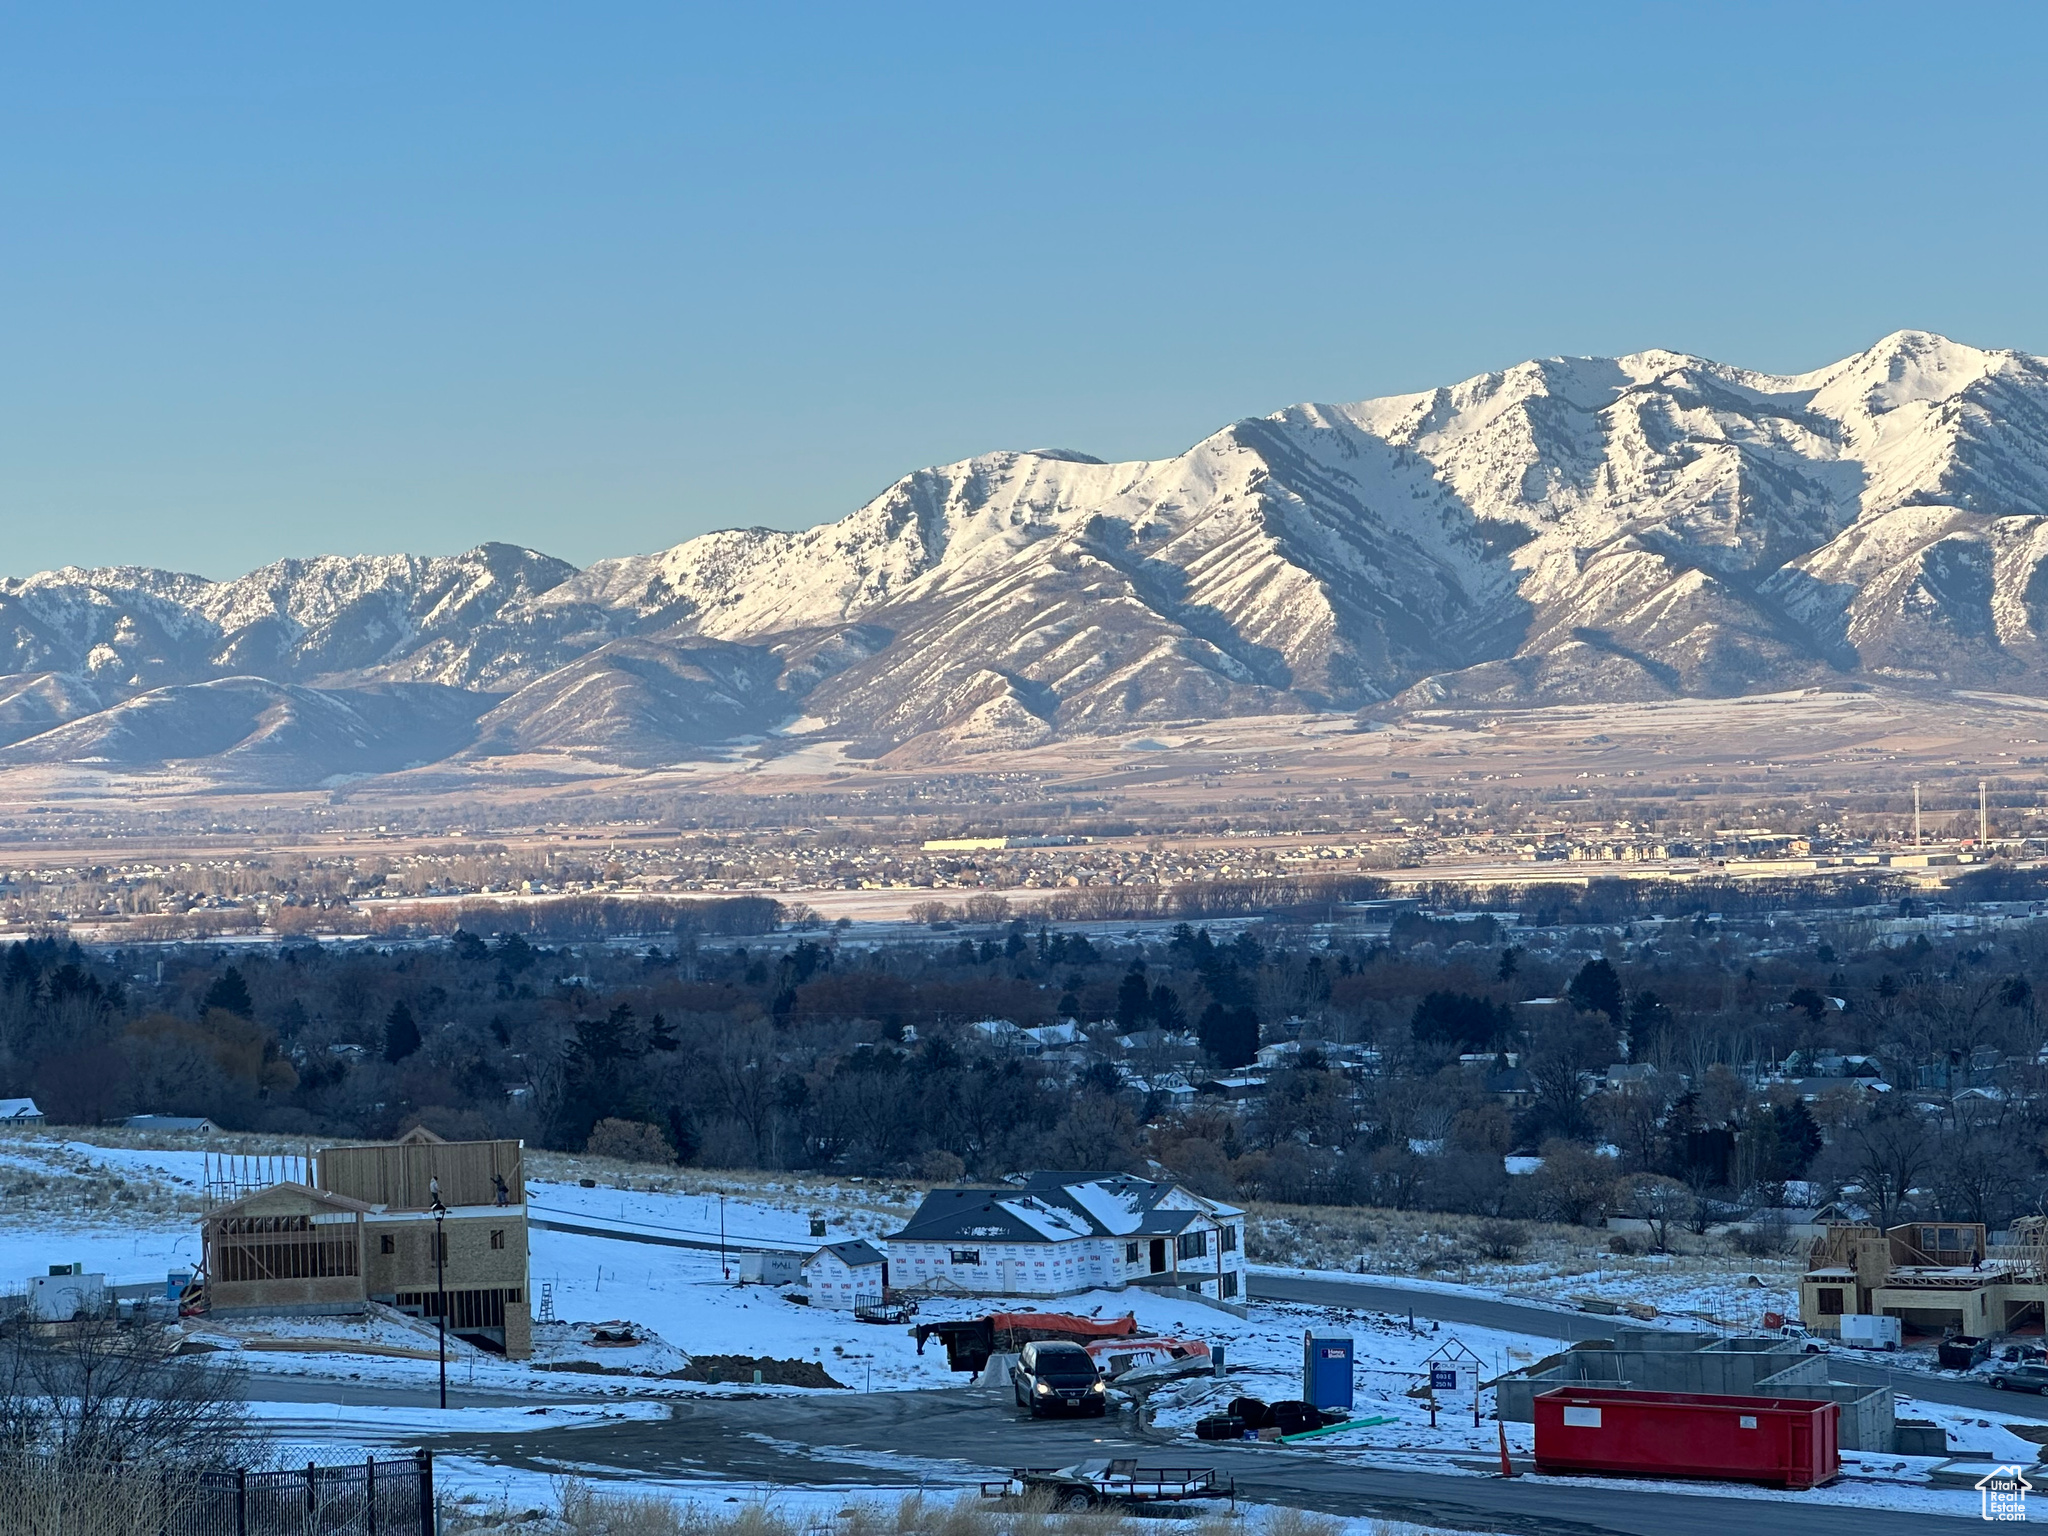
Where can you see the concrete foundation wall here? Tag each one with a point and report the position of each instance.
(1717, 1367)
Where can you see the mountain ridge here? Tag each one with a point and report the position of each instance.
(1566, 529)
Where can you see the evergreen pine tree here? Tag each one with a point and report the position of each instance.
(401, 1033)
(1597, 989)
(231, 994)
(1133, 1000)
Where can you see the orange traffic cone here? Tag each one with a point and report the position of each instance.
(1507, 1468)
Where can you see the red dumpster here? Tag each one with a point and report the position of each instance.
(1786, 1441)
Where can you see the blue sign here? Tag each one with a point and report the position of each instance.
(1443, 1378)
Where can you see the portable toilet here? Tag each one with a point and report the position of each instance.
(1326, 1368)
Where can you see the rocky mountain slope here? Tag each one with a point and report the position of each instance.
(1568, 529)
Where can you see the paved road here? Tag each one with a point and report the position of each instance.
(378, 1394)
(1555, 1323)
(956, 1436)
(660, 1237)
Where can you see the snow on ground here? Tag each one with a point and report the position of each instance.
(1263, 1359)
(130, 1212)
(1736, 1298)
(303, 1430)
(380, 1333)
(474, 1486)
(679, 1294)
(1554, 1263)
(1868, 1492)
(769, 1215)
(1971, 1432)
(610, 1348)
(127, 1214)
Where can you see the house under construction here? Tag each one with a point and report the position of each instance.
(1935, 1277)
(334, 1231)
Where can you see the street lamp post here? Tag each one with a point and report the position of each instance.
(441, 1280)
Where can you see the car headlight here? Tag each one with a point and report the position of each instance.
(1095, 1387)
(1042, 1387)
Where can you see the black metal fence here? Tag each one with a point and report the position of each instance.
(372, 1498)
(365, 1498)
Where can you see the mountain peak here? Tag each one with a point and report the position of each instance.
(1569, 528)
(1904, 368)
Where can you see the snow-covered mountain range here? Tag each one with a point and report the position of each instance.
(1568, 529)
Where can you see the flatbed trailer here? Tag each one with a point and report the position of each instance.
(1114, 1483)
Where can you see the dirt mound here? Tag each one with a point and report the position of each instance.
(774, 1373)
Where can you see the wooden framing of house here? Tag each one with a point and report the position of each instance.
(288, 1248)
(1936, 1277)
(293, 1248)
(399, 1175)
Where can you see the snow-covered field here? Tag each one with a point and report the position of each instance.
(1731, 1303)
(130, 1212)
(1556, 1264)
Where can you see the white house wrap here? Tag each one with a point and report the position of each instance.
(1065, 1232)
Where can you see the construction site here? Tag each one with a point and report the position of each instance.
(426, 1227)
(1912, 1286)
(1658, 1360)
(1937, 1279)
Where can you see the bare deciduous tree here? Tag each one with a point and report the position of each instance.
(1891, 1149)
(94, 1391)
(1573, 1183)
(1658, 1201)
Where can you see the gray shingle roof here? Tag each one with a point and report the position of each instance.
(854, 1253)
(1051, 1207)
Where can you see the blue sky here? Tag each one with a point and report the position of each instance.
(291, 280)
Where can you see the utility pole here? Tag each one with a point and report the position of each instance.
(1916, 813)
(1983, 818)
(724, 1270)
(441, 1279)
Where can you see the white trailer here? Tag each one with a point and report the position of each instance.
(1865, 1330)
(770, 1266)
(65, 1294)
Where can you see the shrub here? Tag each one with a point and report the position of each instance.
(71, 1497)
(589, 1511)
(940, 1166)
(1501, 1240)
(630, 1141)
(1766, 1237)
